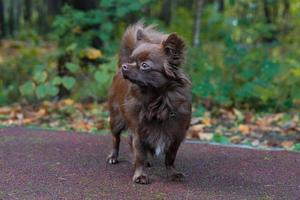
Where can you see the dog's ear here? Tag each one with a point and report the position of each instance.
(140, 35)
(174, 48)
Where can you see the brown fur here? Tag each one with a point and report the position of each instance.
(150, 96)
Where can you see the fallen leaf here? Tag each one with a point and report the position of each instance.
(198, 127)
(196, 120)
(41, 112)
(235, 139)
(205, 136)
(207, 121)
(287, 144)
(5, 110)
(255, 142)
(239, 115)
(27, 121)
(289, 126)
(82, 126)
(272, 143)
(244, 129)
(68, 102)
(193, 131)
(248, 117)
(93, 54)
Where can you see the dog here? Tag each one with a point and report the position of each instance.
(151, 97)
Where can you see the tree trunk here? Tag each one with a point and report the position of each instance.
(197, 24)
(28, 11)
(54, 7)
(166, 13)
(83, 5)
(11, 20)
(18, 11)
(286, 7)
(267, 12)
(221, 6)
(42, 20)
(2, 20)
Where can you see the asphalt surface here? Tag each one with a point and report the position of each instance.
(36, 164)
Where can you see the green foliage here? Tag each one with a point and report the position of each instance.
(96, 81)
(296, 147)
(86, 42)
(76, 30)
(235, 67)
(243, 60)
(220, 139)
(83, 83)
(82, 63)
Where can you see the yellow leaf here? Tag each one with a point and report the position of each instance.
(198, 127)
(235, 139)
(5, 110)
(244, 129)
(206, 121)
(194, 131)
(77, 29)
(82, 126)
(41, 112)
(93, 54)
(205, 136)
(287, 144)
(28, 121)
(68, 102)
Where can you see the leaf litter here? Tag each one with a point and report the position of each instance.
(228, 126)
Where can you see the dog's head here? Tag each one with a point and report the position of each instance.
(154, 65)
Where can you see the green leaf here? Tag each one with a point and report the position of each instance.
(52, 90)
(71, 47)
(231, 2)
(200, 111)
(296, 147)
(296, 72)
(56, 81)
(40, 76)
(68, 82)
(72, 67)
(106, 3)
(41, 91)
(44, 90)
(101, 77)
(27, 88)
(218, 138)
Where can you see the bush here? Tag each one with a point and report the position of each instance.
(82, 64)
(245, 76)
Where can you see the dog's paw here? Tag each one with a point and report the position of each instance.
(141, 179)
(177, 176)
(112, 160)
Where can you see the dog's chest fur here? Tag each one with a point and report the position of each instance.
(159, 122)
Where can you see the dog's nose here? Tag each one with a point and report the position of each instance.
(124, 67)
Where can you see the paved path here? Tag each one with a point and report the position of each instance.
(38, 164)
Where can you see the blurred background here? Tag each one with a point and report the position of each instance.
(58, 57)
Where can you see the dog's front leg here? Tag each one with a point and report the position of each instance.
(140, 156)
(175, 175)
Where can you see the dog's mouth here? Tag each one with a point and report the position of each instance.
(134, 81)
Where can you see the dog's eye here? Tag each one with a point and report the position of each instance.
(145, 66)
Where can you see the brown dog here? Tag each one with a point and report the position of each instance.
(150, 95)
